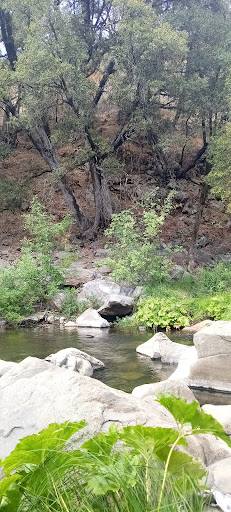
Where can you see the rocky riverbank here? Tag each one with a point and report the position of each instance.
(35, 393)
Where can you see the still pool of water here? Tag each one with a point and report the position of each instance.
(125, 369)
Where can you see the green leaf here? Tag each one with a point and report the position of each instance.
(194, 420)
(36, 449)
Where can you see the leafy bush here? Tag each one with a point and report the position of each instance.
(11, 194)
(162, 312)
(33, 279)
(5, 150)
(127, 323)
(144, 473)
(213, 279)
(135, 243)
(71, 306)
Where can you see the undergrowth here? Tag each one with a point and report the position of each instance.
(134, 469)
(204, 295)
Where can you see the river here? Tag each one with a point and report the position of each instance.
(125, 369)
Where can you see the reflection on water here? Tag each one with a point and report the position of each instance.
(125, 369)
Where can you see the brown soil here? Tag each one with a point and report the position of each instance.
(27, 168)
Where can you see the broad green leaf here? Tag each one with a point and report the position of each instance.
(102, 444)
(147, 440)
(37, 448)
(120, 474)
(10, 494)
(195, 421)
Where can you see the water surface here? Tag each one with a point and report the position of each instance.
(125, 369)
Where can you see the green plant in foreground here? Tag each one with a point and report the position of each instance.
(33, 279)
(136, 469)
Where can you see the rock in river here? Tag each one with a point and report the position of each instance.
(91, 318)
(75, 360)
(161, 347)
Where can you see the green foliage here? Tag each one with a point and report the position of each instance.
(127, 323)
(220, 157)
(5, 150)
(135, 243)
(135, 469)
(33, 279)
(70, 305)
(162, 312)
(11, 194)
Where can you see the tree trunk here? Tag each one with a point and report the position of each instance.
(103, 207)
(42, 143)
(192, 247)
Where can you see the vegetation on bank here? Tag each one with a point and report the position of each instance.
(138, 256)
(33, 279)
(135, 469)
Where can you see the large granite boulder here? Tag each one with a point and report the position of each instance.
(5, 366)
(211, 373)
(57, 301)
(117, 305)
(187, 359)
(115, 300)
(207, 364)
(36, 393)
(91, 318)
(76, 360)
(219, 476)
(221, 413)
(161, 347)
(150, 391)
(213, 340)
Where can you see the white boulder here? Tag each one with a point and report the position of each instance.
(213, 340)
(91, 318)
(179, 389)
(6, 366)
(161, 347)
(30, 401)
(221, 413)
(76, 360)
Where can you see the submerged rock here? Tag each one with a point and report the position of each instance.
(161, 347)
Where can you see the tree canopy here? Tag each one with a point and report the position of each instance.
(162, 65)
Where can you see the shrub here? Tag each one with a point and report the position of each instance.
(162, 312)
(11, 194)
(135, 243)
(33, 279)
(127, 323)
(143, 474)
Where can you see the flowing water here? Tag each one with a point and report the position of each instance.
(125, 369)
